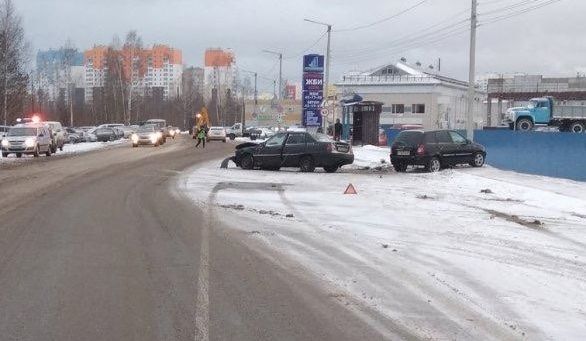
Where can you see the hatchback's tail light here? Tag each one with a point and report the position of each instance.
(421, 149)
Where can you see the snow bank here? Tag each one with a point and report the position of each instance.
(462, 254)
(68, 149)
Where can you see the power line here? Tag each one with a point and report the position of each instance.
(518, 12)
(297, 55)
(383, 19)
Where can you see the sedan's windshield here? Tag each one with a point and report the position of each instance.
(146, 129)
(22, 132)
(276, 140)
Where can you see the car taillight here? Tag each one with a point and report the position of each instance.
(421, 149)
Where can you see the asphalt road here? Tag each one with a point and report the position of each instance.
(98, 247)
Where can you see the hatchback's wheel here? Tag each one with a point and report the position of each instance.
(307, 164)
(19, 155)
(477, 160)
(331, 169)
(48, 153)
(577, 127)
(37, 152)
(400, 167)
(53, 149)
(434, 165)
(524, 124)
(247, 162)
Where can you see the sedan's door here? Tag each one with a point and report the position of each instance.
(295, 146)
(270, 154)
(463, 148)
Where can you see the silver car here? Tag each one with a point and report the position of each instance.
(31, 140)
(148, 134)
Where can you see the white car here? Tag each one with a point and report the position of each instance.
(59, 134)
(217, 134)
(27, 139)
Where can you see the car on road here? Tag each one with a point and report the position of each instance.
(59, 134)
(434, 150)
(31, 140)
(105, 134)
(295, 149)
(217, 134)
(147, 135)
(162, 125)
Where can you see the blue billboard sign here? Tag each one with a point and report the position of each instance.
(313, 89)
(313, 63)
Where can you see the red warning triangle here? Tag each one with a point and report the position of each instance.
(350, 190)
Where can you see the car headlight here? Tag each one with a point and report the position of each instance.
(5, 143)
(155, 137)
(30, 142)
(134, 138)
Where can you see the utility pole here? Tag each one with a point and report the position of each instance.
(472, 72)
(280, 55)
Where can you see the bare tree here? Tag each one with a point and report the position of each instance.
(13, 58)
(133, 45)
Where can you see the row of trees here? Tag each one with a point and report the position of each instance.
(14, 52)
(53, 91)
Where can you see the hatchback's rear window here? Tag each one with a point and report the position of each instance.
(409, 138)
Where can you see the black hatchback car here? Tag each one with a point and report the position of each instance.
(435, 150)
(295, 149)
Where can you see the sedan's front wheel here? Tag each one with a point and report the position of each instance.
(478, 160)
(247, 162)
(331, 169)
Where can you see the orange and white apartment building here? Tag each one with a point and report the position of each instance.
(158, 67)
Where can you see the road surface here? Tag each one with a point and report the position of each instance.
(98, 247)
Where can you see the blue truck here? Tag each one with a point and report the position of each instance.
(544, 112)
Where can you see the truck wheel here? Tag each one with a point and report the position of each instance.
(19, 155)
(232, 136)
(48, 153)
(4, 154)
(577, 127)
(524, 124)
(37, 152)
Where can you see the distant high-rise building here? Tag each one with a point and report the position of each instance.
(219, 72)
(59, 70)
(159, 68)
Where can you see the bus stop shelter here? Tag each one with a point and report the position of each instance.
(361, 121)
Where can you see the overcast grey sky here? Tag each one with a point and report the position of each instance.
(547, 41)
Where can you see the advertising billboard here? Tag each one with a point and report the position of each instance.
(313, 89)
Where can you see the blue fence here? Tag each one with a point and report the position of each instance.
(561, 155)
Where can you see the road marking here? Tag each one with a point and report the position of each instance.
(202, 304)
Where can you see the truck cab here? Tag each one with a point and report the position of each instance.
(538, 112)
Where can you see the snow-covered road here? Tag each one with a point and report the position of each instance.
(463, 254)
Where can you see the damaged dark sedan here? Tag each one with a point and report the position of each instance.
(295, 149)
